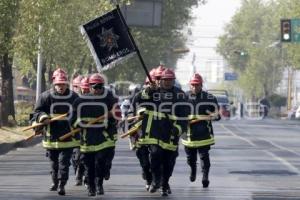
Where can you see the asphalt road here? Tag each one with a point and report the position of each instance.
(256, 160)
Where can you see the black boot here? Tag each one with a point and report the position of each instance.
(153, 188)
(78, 182)
(107, 175)
(169, 189)
(92, 191)
(205, 181)
(148, 178)
(54, 185)
(193, 173)
(148, 184)
(164, 191)
(61, 188)
(155, 183)
(100, 190)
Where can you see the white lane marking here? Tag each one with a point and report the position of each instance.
(284, 162)
(272, 143)
(237, 136)
(281, 160)
(284, 126)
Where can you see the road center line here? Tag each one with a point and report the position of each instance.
(237, 136)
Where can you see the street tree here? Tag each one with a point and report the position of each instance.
(9, 12)
(250, 46)
(63, 44)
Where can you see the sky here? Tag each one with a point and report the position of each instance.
(210, 20)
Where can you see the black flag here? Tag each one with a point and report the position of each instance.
(108, 39)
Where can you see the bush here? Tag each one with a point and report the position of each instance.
(277, 100)
(23, 109)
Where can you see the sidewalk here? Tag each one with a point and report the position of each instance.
(11, 138)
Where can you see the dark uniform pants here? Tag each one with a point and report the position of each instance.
(162, 165)
(97, 165)
(60, 163)
(204, 157)
(143, 154)
(104, 163)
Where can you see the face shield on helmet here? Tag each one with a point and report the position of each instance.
(96, 81)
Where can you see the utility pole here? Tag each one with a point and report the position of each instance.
(39, 66)
(290, 85)
(193, 63)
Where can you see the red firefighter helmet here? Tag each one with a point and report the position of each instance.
(152, 75)
(57, 72)
(76, 81)
(84, 83)
(196, 79)
(60, 79)
(96, 79)
(168, 74)
(159, 70)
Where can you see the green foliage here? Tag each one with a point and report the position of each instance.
(62, 43)
(277, 100)
(23, 109)
(254, 29)
(8, 19)
(290, 9)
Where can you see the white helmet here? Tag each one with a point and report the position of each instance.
(134, 88)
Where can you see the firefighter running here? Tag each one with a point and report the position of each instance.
(57, 100)
(142, 151)
(162, 144)
(97, 144)
(200, 135)
(159, 104)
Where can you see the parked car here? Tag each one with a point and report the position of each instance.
(225, 106)
(218, 92)
(223, 102)
(297, 113)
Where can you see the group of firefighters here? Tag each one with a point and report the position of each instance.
(87, 135)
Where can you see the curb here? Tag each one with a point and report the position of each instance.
(6, 147)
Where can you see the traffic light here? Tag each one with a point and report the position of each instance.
(241, 53)
(286, 30)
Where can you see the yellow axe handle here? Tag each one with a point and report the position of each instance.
(42, 124)
(77, 130)
(132, 131)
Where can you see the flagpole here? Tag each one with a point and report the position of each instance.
(135, 46)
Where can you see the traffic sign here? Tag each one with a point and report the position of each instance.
(295, 30)
(230, 76)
